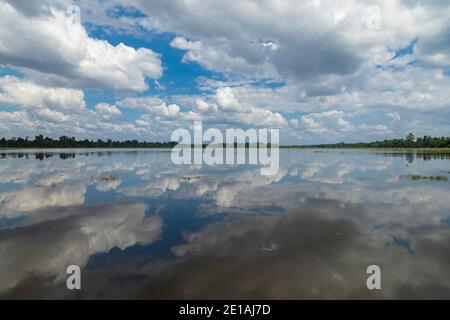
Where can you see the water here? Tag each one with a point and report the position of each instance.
(141, 227)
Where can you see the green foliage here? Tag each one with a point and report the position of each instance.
(416, 177)
(409, 142)
(70, 142)
(410, 137)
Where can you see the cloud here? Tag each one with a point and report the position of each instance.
(226, 107)
(70, 238)
(157, 107)
(234, 46)
(220, 107)
(326, 122)
(108, 112)
(61, 51)
(290, 65)
(343, 216)
(25, 201)
(58, 111)
(304, 40)
(297, 255)
(215, 59)
(28, 95)
(153, 189)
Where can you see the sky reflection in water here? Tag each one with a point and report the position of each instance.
(141, 227)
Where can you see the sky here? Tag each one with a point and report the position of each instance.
(321, 71)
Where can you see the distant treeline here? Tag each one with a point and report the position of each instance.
(70, 142)
(409, 142)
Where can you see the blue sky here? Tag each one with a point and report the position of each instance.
(178, 77)
(320, 71)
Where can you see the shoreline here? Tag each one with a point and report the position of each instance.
(373, 149)
(282, 147)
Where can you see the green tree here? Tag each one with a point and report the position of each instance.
(410, 137)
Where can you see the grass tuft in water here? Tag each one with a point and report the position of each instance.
(189, 178)
(416, 177)
(109, 178)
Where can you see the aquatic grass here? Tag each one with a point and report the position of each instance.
(189, 178)
(418, 177)
(109, 178)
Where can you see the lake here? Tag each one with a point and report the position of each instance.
(140, 227)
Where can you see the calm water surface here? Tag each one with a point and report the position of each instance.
(141, 227)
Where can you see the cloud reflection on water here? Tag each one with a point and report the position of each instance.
(308, 232)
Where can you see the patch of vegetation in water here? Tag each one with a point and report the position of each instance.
(189, 178)
(109, 178)
(418, 177)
